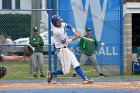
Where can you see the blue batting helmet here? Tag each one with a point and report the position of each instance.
(55, 19)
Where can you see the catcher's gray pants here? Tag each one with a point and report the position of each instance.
(37, 59)
(92, 58)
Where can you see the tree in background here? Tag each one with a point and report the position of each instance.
(15, 25)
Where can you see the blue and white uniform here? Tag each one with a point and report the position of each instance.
(60, 36)
(61, 42)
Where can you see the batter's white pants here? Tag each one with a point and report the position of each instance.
(67, 58)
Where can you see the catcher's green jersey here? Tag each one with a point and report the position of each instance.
(38, 46)
(87, 47)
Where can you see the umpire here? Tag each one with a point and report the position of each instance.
(37, 43)
(88, 50)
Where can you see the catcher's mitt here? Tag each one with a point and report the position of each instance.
(3, 71)
(28, 51)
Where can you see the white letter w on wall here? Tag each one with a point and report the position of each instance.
(98, 15)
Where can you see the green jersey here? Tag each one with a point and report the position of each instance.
(87, 47)
(38, 46)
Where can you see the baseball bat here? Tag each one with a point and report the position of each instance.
(88, 39)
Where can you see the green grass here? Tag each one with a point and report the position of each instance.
(20, 71)
(88, 70)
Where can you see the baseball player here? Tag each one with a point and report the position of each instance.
(3, 70)
(37, 43)
(10, 58)
(66, 57)
(28, 51)
(88, 50)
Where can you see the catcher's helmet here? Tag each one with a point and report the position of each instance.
(55, 19)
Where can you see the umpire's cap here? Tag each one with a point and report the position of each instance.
(35, 29)
(55, 19)
(88, 29)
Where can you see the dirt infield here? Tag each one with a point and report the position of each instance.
(96, 85)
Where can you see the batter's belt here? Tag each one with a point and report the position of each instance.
(58, 49)
(62, 47)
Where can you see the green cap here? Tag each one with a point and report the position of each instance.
(88, 29)
(35, 29)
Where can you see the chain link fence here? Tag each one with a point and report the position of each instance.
(17, 20)
(16, 28)
(105, 22)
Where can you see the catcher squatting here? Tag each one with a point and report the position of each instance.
(28, 51)
(67, 58)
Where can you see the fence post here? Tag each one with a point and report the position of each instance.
(49, 36)
(55, 56)
(121, 39)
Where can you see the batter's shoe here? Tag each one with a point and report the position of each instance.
(49, 77)
(74, 75)
(42, 76)
(87, 82)
(35, 76)
(102, 75)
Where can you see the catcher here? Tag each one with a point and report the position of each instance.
(28, 51)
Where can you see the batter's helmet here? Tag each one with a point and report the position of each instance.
(55, 19)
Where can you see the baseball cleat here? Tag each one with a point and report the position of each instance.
(74, 75)
(87, 82)
(49, 77)
(42, 76)
(54, 82)
(35, 76)
(102, 75)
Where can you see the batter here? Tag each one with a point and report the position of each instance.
(67, 58)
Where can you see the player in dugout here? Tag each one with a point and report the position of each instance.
(89, 50)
